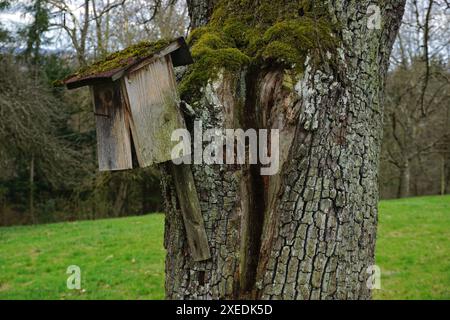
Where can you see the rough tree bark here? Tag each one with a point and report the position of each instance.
(308, 232)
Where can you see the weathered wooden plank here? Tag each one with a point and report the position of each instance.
(153, 102)
(190, 208)
(113, 133)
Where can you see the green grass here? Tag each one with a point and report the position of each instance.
(124, 258)
(119, 259)
(413, 248)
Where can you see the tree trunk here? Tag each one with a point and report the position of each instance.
(443, 183)
(308, 232)
(120, 199)
(146, 192)
(405, 181)
(447, 173)
(200, 11)
(31, 187)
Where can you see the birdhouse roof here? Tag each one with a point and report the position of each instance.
(116, 65)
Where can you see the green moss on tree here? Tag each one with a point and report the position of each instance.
(259, 33)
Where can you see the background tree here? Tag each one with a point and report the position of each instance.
(4, 34)
(31, 117)
(97, 27)
(417, 125)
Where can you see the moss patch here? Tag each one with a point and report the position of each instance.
(122, 58)
(258, 33)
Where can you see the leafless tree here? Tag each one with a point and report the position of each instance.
(418, 88)
(28, 130)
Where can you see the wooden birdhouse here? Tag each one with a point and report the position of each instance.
(136, 109)
(135, 102)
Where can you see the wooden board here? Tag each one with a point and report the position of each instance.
(153, 104)
(190, 208)
(113, 132)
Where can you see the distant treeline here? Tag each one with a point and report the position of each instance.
(48, 160)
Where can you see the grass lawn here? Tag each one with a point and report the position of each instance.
(119, 259)
(413, 248)
(124, 258)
